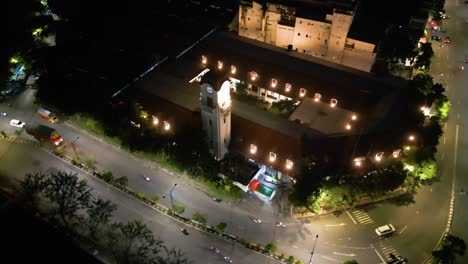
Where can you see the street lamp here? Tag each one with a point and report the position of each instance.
(312, 253)
(170, 194)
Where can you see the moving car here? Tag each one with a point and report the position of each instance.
(17, 123)
(385, 230)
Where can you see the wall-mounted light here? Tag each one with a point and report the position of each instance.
(348, 127)
(220, 65)
(333, 102)
(317, 97)
(233, 69)
(302, 92)
(253, 76)
(155, 121)
(274, 82)
(289, 164)
(253, 149)
(167, 126)
(396, 153)
(287, 87)
(379, 156)
(272, 156)
(353, 117)
(204, 59)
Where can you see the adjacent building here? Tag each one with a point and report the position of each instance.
(317, 28)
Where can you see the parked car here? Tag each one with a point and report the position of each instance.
(17, 123)
(447, 40)
(385, 230)
(436, 38)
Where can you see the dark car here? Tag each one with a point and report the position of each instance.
(436, 38)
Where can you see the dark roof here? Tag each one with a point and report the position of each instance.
(355, 90)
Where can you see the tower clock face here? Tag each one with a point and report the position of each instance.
(209, 89)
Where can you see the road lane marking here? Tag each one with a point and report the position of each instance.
(458, 116)
(350, 217)
(294, 246)
(403, 229)
(340, 224)
(344, 254)
(444, 140)
(325, 257)
(445, 125)
(383, 260)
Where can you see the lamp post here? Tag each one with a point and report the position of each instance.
(73, 145)
(312, 253)
(170, 194)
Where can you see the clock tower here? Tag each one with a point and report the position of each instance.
(216, 112)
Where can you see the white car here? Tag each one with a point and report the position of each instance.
(17, 123)
(385, 230)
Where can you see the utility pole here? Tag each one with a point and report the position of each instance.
(170, 194)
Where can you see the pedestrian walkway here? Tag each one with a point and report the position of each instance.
(362, 217)
(387, 250)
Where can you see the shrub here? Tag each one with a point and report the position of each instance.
(199, 217)
(221, 227)
(122, 181)
(270, 247)
(178, 208)
(291, 260)
(107, 176)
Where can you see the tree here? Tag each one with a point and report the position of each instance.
(69, 194)
(199, 217)
(99, 214)
(172, 256)
(133, 243)
(451, 247)
(221, 227)
(350, 262)
(30, 188)
(423, 60)
(309, 180)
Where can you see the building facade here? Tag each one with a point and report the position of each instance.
(322, 31)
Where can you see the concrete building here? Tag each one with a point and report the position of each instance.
(335, 106)
(313, 27)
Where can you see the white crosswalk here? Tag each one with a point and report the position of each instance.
(387, 250)
(362, 217)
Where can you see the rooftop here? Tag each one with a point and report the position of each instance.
(323, 117)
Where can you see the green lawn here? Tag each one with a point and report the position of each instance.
(91, 124)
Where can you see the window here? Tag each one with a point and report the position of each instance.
(209, 102)
(304, 51)
(326, 41)
(298, 34)
(307, 36)
(209, 122)
(300, 21)
(224, 141)
(224, 120)
(248, 18)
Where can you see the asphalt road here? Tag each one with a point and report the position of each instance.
(455, 158)
(348, 235)
(17, 159)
